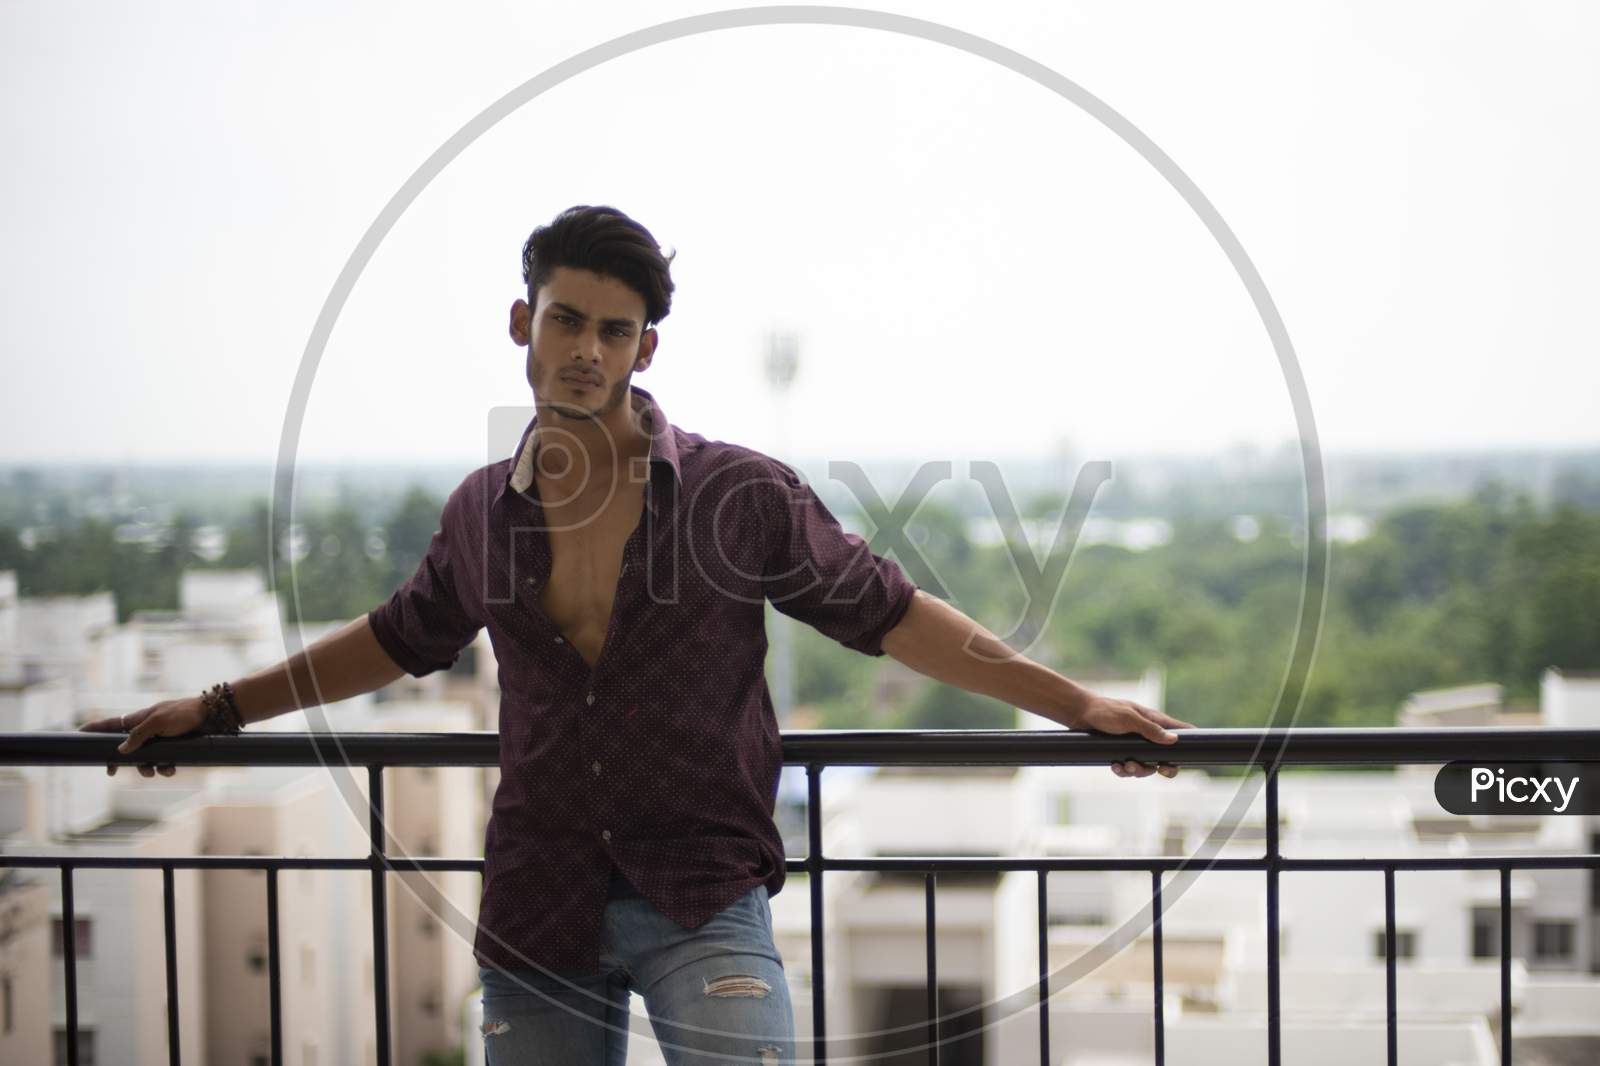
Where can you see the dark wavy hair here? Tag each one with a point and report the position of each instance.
(606, 241)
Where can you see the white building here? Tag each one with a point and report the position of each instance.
(64, 660)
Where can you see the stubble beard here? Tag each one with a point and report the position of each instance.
(617, 396)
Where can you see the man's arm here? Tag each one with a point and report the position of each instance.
(420, 628)
(936, 639)
(832, 581)
(345, 663)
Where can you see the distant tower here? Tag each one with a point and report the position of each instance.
(782, 361)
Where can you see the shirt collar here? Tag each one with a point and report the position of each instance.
(663, 448)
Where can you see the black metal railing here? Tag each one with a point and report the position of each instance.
(1268, 751)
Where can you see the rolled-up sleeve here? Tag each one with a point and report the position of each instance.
(821, 574)
(427, 622)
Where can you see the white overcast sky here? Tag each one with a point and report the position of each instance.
(974, 266)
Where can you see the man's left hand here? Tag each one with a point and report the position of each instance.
(1105, 714)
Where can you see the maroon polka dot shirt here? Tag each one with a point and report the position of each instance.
(663, 758)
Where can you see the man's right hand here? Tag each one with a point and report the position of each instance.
(169, 718)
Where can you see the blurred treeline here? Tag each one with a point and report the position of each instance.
(1487, 588)
(343, 563)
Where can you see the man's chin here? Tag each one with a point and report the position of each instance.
(567, 409)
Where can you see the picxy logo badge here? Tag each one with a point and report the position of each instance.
(1519, 788)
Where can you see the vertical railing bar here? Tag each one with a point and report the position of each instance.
(170, 930)
(819, 1023)
(933, 971)
(1044, 974)
(69, 957)
(1155, 955)
(1391, 1010)
(380, 915)
(274, 970)
(1274, 1016)
(1505, 966)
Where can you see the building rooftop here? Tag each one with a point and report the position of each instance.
(1576, 675)
(1556, 1050)
(116, 828)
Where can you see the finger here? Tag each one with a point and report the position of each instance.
(111, 769)
(1117, 769)
(141, 733)
(1167, 770)
(102, 725)
(1162, 718)
(1152, 730)
(1149, 728)
(147, 770)
(1143, 769)
(166, 769)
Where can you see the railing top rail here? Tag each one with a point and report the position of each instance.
(942, 747)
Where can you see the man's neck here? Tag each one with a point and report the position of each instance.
(608, 444)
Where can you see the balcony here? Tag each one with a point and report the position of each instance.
(1402, 1017)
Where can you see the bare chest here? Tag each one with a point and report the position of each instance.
(587, 538)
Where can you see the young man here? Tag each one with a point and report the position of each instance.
(621, 566)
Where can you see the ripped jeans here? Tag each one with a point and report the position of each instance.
(716, 995)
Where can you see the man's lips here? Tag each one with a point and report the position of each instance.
(579, 378)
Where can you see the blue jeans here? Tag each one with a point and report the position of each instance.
(715, 995)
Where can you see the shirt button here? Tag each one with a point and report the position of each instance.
(597, 767)
(605, 834)
(589, 699)
(560, 641)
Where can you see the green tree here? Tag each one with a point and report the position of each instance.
(249, 540)
(339, 578)
(943, 706)
(407, 532)
(11, 550)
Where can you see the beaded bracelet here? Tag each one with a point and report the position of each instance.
(222, 712)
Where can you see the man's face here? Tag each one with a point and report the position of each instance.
(585, 337)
